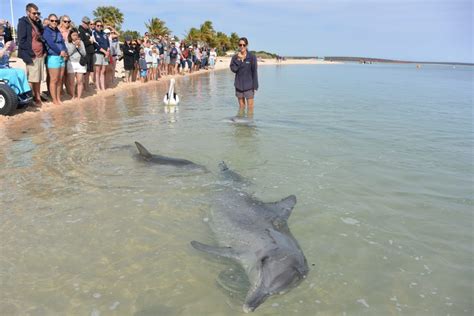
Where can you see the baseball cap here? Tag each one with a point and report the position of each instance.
(107, 31)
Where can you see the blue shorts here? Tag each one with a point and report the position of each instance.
(143, 73)
(55, 62)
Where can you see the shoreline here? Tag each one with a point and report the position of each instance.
(222, 63)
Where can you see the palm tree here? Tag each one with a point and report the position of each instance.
(109, 15)
(208, 33)
(193, 35)
(156, 27)
(234, 40)
(222, 43)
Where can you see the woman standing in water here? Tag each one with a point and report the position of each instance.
(244, 65)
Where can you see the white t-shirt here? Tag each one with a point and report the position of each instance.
(213, 55)
(148, 55)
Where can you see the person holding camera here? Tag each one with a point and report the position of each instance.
(75, 70)
(31, 48)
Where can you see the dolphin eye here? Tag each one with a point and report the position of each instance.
(264, 260)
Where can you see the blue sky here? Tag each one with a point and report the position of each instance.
(432, 30)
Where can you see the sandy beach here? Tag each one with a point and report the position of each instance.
(222, 64)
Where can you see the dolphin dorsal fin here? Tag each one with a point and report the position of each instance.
(143, 151)
(284, 207)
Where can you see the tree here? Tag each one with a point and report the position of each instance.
(109, 15)
(234, 41)
(156, 27)
(132, 34)
(193, 35)
(208, 33)
(223, 43)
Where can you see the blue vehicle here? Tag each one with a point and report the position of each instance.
(9, 100)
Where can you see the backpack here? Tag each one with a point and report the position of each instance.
(173, 53)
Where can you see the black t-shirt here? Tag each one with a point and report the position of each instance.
(85, 35)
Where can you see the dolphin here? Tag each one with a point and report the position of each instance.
(163, 160)
(240, 120)
(256, 235)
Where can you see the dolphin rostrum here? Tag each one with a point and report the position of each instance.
(256, 235)
(163, 160)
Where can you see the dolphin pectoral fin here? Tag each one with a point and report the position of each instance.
(143, 151)
(226, 252)
(284, 207)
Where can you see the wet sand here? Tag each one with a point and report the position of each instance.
(92, 95)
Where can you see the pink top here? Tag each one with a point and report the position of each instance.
(36, 44)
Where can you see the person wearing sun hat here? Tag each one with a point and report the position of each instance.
(85, 33)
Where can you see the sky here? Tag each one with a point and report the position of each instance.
(421, 30)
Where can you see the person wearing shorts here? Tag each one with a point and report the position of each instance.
(101, 57)
(244, 65)
(155, 63)
(143, 66)
(31, 48)
(75, 71)
(57, 52)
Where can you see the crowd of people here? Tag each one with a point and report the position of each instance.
(76, 58)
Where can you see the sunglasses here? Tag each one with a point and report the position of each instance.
(66, 21)
(36, 13)
(98, 25)
(53, 21)
(242, 45)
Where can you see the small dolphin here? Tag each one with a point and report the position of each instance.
(256, 235)
(163, 160)
(239, 120)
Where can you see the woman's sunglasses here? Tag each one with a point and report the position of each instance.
(53, 21)
(242, 45)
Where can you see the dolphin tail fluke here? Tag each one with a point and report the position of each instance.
(226, 252)
(143, 151)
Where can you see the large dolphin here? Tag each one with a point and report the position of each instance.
(256, 235)
(163, 160)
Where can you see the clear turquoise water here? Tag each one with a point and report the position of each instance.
(379, 157)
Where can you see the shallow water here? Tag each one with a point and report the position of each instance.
(379, 157)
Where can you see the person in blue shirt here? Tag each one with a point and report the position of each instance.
(244, 65)
(57, 55)
(102, 52)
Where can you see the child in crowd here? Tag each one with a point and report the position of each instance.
(143, 66)
(149, 59)
(212, 58)
(155, 63)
